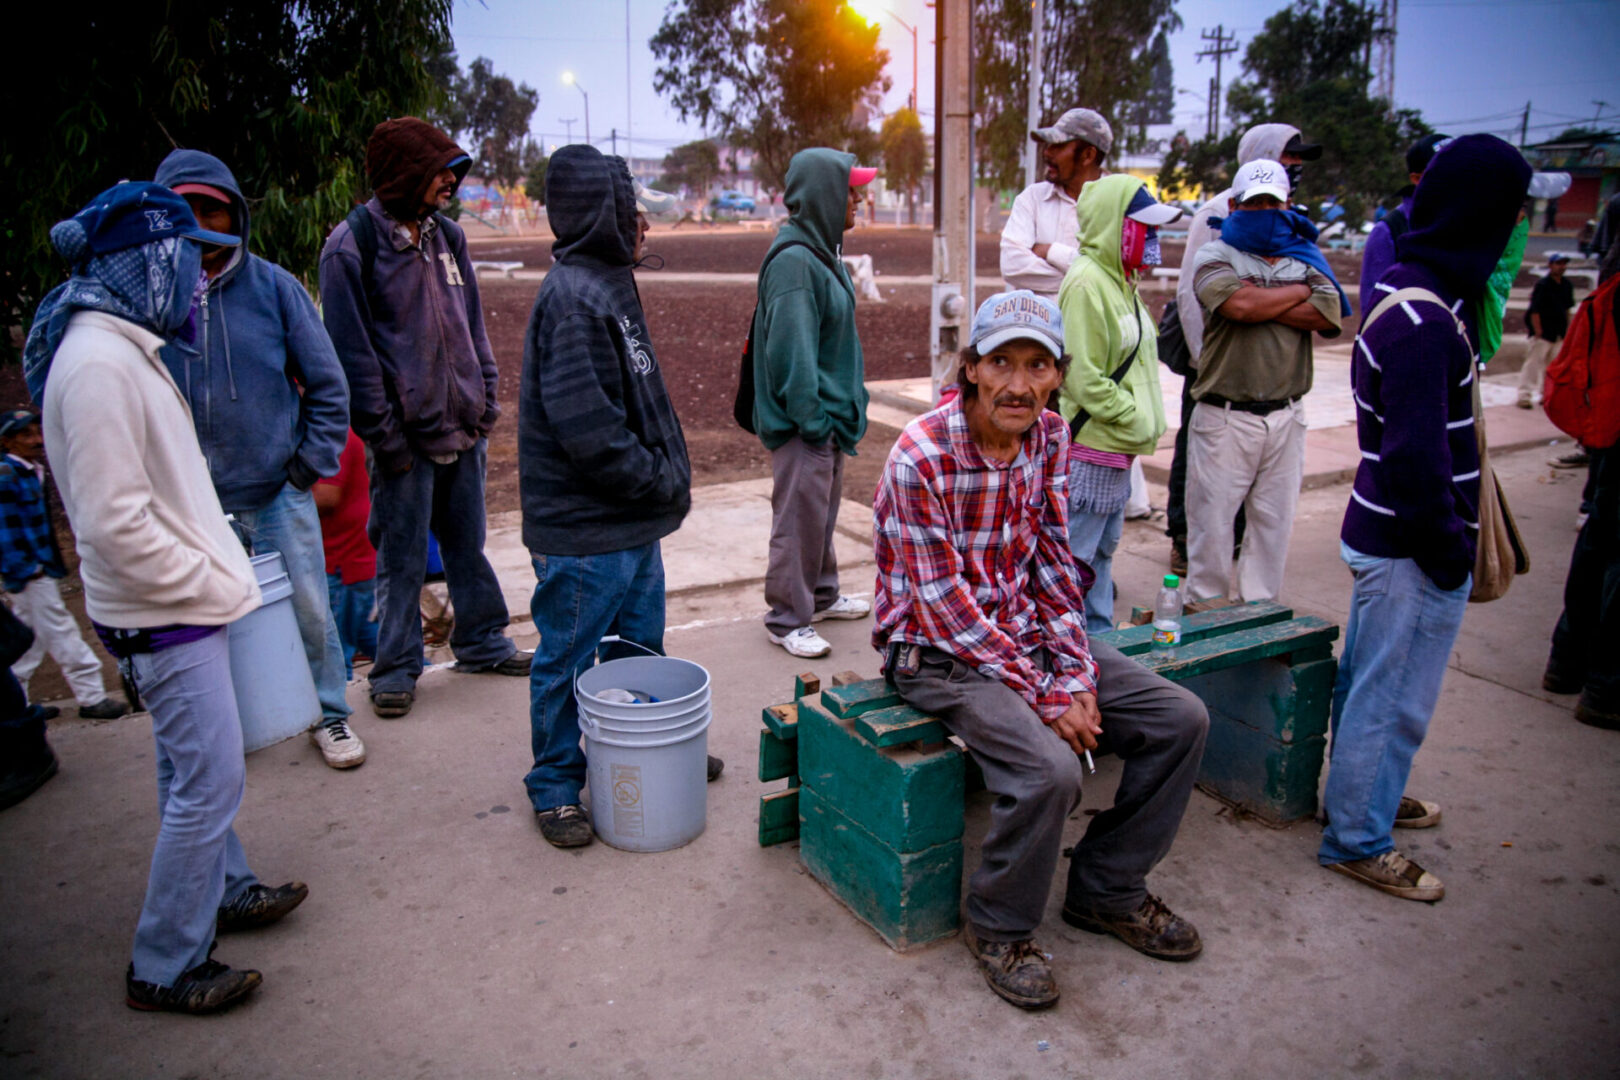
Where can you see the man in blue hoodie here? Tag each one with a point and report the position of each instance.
(602, 465)
(271, 408)
(1412, 523)
(400, 300)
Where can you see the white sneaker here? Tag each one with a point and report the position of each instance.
(341, 747)
(803, 642)
(845, 607)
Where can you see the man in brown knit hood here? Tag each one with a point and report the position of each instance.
(401, 303)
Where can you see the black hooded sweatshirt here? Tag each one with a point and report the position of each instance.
(601, 459)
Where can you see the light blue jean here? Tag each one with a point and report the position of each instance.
(290, 524)
(579, 600)
(1093, 539)
(1402, 628)
(198, 862)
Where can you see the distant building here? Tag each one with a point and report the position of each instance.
(1593, 163)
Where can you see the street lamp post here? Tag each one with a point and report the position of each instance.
(568, 77)
(870, 12)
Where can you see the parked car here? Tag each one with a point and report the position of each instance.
(735, 201)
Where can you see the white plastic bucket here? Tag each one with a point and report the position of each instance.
(647, 761)
(275, 692)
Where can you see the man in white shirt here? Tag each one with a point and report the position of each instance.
(1038, 243)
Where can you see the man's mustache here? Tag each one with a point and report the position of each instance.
(1020, 401)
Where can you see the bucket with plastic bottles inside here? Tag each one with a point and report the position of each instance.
(646, 725)
(275, 692)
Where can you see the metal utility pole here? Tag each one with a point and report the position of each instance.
(1032, 149)
(1220, 45)
(627, 127)
(1524, 126)
(614, 135)
(569, 122)
(1384, 63)
(952, 296)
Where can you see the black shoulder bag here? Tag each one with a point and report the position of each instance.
(742, 408)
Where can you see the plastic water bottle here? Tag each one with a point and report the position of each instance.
(1167, 614)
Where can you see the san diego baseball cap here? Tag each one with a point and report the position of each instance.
(1015, 315)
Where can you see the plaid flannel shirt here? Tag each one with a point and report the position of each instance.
(27, 545)
(973, 557)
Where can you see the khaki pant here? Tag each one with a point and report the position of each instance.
(1535, 368)
(1240, 459)
(56, 632)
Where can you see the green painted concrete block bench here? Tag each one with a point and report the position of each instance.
(875, 790)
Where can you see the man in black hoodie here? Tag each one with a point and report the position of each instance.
(602, 465)
(400, 300)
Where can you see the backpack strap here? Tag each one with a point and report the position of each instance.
(1404, 296)
(1081, 416)
(364, 231)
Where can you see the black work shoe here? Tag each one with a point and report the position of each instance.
(105, 709)
(48, 712)
(26, 777)
(260, 905)
(565, 826)
(391, 704)
(1593, 716)
(206, 988)
(716, 767)
(1152, 929)
(1178, 555)
(517, 665)
(1556, 681)
(1016, 970)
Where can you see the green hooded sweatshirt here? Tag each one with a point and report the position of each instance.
(1103, 317)
(809, 378)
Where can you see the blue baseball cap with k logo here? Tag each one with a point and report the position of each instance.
(133, 213)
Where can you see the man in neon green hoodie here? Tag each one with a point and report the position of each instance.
(809, 394)
(1110, 396)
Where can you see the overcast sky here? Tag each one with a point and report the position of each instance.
(1468, 65)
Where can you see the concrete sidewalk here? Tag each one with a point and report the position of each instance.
(444, 938)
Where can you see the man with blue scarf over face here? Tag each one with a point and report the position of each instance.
(163, 572)
(1264, 288)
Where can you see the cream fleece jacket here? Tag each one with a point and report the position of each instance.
(154, 546)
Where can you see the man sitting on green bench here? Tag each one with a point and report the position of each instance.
(981, 620)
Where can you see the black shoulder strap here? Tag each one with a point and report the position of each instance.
(364, 231)
(1118, 374)
(1398, 225)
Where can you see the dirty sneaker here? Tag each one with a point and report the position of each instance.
(845, 607)
(1416, 814)
(1395, 874)
(565, 826)
(341, 747)
(1016, 970)
(803, 642)
(207, 988)
(105, 709)
(392, 704)
(259, 905)
(1152, 929)
(517, 666)
(716, 767)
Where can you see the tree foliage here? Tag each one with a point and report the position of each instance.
(1099, 54)
(770, 76)
(489, 115)
(905, 156)
(693, 167)
(285, 93)
(1308, 68)
(534, 171)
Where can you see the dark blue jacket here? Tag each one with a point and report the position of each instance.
(1416, 493)
(421, 373)
(601, 459)
(259, 338)
(27, 544)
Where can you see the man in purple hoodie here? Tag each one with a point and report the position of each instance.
(1410, 530)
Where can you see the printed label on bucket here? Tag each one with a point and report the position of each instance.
(628, 819)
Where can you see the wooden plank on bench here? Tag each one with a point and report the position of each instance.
(852, 699)
(1221, 621)
(1306, 634)
(778, 758)
(779, 817)
(783, 720)
(897, 725)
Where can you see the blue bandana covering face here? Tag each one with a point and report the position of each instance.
(1285, 233)
(155, 285)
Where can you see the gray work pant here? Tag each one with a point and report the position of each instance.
(801, 577)
(1155, 727)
